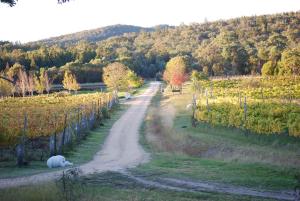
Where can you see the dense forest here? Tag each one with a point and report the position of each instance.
(95, 35)
(267, 44)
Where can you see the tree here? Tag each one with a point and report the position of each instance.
(31, 83)
(268, 68)
(218, 69)
(70, 82)
(14, 70)
(290, 62)
(39, 86)
(196, 78)
(115, 76)
(32, 64)
(205, 70)
(175, 73)
(12, 3)
(6, 87)
(22, 82)
(277, 43)
(133, 80)
(42, 82)
(233, 52)
(48, 82)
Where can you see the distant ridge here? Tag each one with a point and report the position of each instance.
(95, 35)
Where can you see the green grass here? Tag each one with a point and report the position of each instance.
(135, 92)
(110, 187)
(223, 155)
(79, 154)
(240, 174)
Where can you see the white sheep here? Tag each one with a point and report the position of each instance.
(57, 161)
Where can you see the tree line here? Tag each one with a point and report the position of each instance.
(116, 76)
(266, 44)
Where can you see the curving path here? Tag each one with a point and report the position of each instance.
(120, 151)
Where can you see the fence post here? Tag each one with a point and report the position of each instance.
(194, 105)
(206, 95)
(78, 123)
(21, 146)
(245, 110)
(262, 94)
(62, 142)
(52, 144)
(107, 101)
(98, 109)
(211, 89)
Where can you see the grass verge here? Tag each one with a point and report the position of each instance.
(108, 187)
(214, 154)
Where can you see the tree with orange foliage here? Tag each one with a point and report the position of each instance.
(175, 73)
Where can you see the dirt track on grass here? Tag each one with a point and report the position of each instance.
(120, 151)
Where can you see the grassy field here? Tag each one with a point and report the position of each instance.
(107, 187)
(219, 154)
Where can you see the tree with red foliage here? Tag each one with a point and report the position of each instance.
(178, 78)
(175, 73)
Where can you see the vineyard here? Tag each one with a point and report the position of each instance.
(53, 121)
(262, 105)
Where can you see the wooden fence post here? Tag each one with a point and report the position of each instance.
(262, 94)
(78, 123)
(20, 149)
(98, 110)
(211, 89)
(245, 110)
(194, 106)
(52, 144)
(62, 142)
(206, 95)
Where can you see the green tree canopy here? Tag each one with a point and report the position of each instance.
(115, 76)
(13, 2)
(291, 61)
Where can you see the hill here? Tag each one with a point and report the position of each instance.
(93, 35)
(265, 44)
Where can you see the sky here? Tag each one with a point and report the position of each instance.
(32, 20)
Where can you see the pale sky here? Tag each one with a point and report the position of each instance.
(32, 20)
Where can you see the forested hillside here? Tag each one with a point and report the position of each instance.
(267, 44)
(93, 35)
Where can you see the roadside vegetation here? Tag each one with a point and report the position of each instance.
(214, 153)
(101, 186)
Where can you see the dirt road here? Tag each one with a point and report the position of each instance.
(121, 149)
